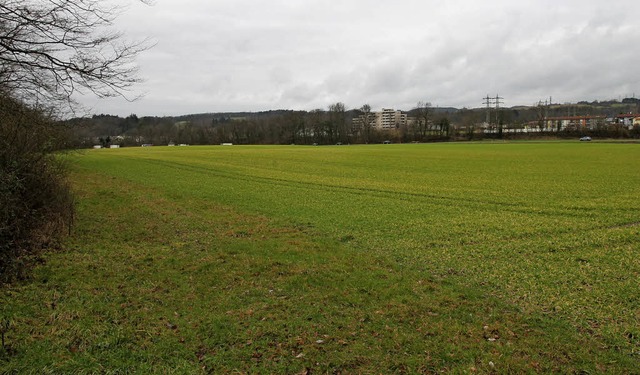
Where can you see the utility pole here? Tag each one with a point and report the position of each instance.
(498, 101)
(488, 101)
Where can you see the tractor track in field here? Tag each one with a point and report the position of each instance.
(441, 200)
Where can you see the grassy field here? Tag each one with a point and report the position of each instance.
(460, 258)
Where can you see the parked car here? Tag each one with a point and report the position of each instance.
(585, 139)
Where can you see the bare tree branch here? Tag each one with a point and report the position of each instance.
(51, 49)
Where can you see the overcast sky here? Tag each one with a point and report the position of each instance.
(254, 55)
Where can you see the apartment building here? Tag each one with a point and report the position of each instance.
(386, 119)
(390, 119)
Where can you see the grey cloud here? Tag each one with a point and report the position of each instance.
(247, 55)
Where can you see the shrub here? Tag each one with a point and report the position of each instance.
(36, 205)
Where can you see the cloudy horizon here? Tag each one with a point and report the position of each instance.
(243, 55)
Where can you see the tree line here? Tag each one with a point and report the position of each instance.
(334, 125)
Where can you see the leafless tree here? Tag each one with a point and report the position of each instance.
(51, 49)
(337, 123)
(423, 117)
(541, 115)
(367, 120)
(315, 121)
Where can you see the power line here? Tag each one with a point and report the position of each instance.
(492, 102)
(498, 101)
(488, 102)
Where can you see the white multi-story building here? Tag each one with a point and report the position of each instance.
(390, 119)
(386, 119)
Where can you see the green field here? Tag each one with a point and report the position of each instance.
(460, 258)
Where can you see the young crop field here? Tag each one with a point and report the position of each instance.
(421, 258)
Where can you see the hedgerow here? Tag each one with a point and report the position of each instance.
(36, 204)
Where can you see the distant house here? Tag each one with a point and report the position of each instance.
(628, 119)
(573, 122)
(114, 146)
